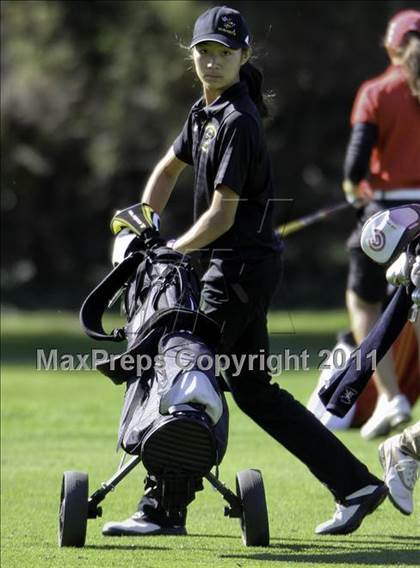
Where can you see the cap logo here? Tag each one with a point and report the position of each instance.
(227, 26)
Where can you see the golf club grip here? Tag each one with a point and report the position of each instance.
(298, 224)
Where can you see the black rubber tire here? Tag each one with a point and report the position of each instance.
(73, 513)
(254, 518)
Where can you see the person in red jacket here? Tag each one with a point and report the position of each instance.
(382, 170)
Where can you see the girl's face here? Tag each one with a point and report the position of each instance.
(217, 66)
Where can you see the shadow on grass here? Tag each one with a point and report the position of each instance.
(415, 539)
(378, 556)
(204, 535)
(310, 552)
(359, 539)
(124, 547)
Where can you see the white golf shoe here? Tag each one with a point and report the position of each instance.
(349, 515)
(400, 474)
(139, 525)
(388, 414)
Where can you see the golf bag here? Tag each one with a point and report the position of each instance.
(174, 415)
(389, 236)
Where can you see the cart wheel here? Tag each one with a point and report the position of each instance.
(73, 509)
(254, 517)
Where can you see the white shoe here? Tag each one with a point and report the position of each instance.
(349, 515)
(388, 414)
(139, 525)
(400, 474)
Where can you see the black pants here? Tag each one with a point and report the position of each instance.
(237, 296)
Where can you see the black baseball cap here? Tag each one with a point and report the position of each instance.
(222, 25)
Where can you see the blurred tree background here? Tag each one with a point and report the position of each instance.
(93, 93)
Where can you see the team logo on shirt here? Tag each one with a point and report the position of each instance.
(209, 134)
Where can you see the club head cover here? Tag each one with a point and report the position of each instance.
(398, 274)
(415, 297)
(387, 233)
(124, 243)
(137, 218)
(415, 272)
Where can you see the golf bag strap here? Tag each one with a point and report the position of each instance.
(97, 302)
(121, 368)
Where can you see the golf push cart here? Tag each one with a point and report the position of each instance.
(174, 421)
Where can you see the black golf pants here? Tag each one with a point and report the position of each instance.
(240, 304)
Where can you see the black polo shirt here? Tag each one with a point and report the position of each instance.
(225, 144)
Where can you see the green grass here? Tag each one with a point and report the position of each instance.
(56, 421)
(67, 323)
(21, 336)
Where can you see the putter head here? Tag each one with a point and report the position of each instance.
(387, 233)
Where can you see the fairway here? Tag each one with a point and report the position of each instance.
(57, 421)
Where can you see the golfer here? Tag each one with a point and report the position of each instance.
(382, 170)
(223, 140)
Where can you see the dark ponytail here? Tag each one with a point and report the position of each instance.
(254, 80)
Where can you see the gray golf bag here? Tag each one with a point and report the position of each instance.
(175, 415)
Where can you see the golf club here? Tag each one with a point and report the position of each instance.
(298, 224)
